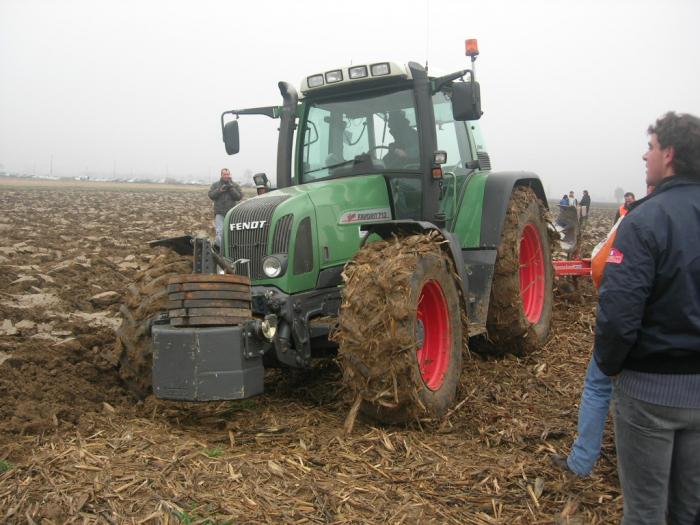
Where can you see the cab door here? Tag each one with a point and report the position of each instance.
(452, 137)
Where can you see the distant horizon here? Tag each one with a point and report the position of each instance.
(185, 181)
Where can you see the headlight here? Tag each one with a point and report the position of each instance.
(358, 72)
(315, 81)
(379, 70)
(272, 266)
(334, 76)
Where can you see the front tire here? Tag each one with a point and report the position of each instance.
(145, 298)
(400, 330)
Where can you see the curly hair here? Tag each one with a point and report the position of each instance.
(682, 131)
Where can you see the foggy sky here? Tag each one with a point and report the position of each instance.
(568, 87)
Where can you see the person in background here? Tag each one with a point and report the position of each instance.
(625, 206)
(226, 194)
(564, 202)
(585, 207)
(647, 332)
(572, 200)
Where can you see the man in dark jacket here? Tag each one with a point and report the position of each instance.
(648, 332)
(404, 150)
(226, 194)
(585, 205)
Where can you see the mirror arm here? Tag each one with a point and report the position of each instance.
(268, 111)
(441, 81)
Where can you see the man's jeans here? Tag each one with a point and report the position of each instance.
(219, 227)
(592, 413)
(658, 459)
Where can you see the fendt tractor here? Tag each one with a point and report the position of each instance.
(388, 243)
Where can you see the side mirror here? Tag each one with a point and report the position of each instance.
(466, 101)
(230, 131)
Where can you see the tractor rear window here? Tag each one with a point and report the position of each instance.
(372, 134)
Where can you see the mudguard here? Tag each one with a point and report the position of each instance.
(499, 187)
(182, 245)
(386, 229)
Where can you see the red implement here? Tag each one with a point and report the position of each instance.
(582, 267)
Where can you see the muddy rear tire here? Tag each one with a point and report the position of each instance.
(145, 298)
(520, 308)
(400, 330)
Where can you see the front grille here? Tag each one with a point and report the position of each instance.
(247, 241)
(283, 231)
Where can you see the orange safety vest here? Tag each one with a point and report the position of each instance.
(599, 257)
(623, 210)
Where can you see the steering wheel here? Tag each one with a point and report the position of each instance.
(374, 149)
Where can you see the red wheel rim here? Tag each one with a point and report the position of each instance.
(434, 322)
(532, 273)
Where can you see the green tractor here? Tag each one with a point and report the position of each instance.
(388, 242)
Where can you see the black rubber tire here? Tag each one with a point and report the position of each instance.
(377, 329)
(145, 298)
(508, 328)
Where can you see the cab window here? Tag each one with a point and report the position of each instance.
(372, 133)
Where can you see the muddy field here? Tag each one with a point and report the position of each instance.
(76, 448)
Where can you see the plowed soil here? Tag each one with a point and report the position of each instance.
(75, 447)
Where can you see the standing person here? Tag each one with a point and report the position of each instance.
(625, 206)
(226, 194)
(585, 207)
(572, 200)
(564, 202)
(648, 332)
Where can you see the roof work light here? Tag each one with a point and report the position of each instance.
(334, 76)
(379, 70)
(315, 81)
(357, 72)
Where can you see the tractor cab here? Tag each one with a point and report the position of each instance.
(383, 119)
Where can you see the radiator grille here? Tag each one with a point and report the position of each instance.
(283, 231)
(247, 240)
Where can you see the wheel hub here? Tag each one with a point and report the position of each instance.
(532, 273)
(433, 335)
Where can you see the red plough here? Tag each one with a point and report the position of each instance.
(580, 267)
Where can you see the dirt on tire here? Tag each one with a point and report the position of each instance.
(145, 298)
(508, 329)
(377, 330)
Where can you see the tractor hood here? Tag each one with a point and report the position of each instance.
(309, 227)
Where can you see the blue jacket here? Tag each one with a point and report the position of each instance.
(649, 306)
